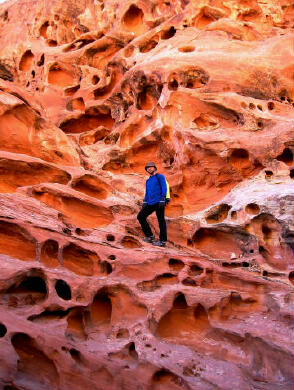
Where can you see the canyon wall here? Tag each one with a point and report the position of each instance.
(91, 90)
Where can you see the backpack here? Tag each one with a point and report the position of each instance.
(167, 186)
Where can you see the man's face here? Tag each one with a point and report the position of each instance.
(151, 170)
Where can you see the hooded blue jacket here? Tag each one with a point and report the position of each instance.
(154, 192)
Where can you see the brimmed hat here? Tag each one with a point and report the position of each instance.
(150, 164)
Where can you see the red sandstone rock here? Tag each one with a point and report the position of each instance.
(90, 91)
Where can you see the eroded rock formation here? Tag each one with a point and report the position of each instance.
(89, 91)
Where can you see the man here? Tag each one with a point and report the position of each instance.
(154, 200)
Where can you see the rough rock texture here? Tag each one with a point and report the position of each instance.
(89, 91)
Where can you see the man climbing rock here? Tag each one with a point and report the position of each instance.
(155, 200)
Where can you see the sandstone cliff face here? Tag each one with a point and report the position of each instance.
(89, 91)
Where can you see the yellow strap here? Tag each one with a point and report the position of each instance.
(167, 191)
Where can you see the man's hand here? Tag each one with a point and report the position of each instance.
(162, 202)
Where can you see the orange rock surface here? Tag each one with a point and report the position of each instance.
(91, 90)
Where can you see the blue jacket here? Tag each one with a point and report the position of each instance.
(154, 192)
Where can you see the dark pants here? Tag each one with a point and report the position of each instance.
(143, 214)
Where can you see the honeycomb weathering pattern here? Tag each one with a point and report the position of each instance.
(91, 90)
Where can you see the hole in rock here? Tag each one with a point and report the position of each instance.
(18, 173)
(66, 231)
(176, 265)
(218, 214)
(232, 265)
(76, 104)
(63, 290)
(286, 156)
(205, 121)
(180, 301)
(102, 92)
(292, 173)
(234, 215)
(75, 324)
(183, 323)
(41, 60)
(51, 42)
(101, 309)
(81, 232)
(28, 291)
(91, 137)
(252, 106)
(133, 19)
(271, 105)
(158, 282)
(239, 158)
(59, 76)
(79, 260)
(195, 270)
(132, 350)
(112, 257)
(43, 29)
(26, 61)
(3, 330)
(169, 33)
(92, 186)
(215, 243)
(233, 307)
(76, 355)
(128, 52)
(186, 49)
(291, 277)
(82, 213)
(268, 174)
(201, 317)
(189, 282)
(95, 79)
(245, 264)
(105, 268)
(267, 232)
(260, 124)
(283, 95)
(262, 251)
(149, 45)
(123, 334)
(259, 106)
(87, 122)
(194, 78)
(48, 316)
(165, 379)
(173, 84)
(130, 242)
(5, 73)
(49, 254)
(33, 366)
(203, 21)
(71, 90)
(16, 242)
(145, 100)
(252, 208)
(110, 237)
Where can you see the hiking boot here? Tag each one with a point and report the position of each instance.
(159, 243)
(149, 239)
